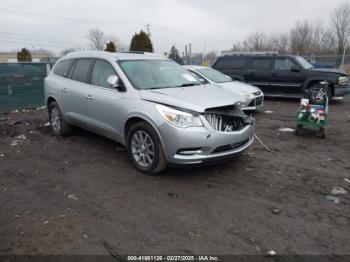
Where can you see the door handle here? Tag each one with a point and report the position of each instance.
(89, 97)
(64, 90)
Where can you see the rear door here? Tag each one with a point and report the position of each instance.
(75, 95)
(285, 79)
(260, 72)
(233, 66)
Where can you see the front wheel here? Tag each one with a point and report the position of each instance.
(59, 126)
(145, 149)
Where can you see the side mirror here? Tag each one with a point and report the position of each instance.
(113, 81)
(295, 69)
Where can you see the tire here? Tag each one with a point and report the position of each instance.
(299, 130)
(59, 125)
(316, 86)
(142, 139)
(322, 133)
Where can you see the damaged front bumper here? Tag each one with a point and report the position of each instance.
(197, 145)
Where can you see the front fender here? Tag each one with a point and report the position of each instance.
(149, 120)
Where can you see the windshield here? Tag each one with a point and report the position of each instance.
(214, 75)
(304, 63)
(156, 74)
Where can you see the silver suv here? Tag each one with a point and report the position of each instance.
(148, 103)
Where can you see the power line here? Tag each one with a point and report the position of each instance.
(68, 17)
(29, 37)
(32, 44)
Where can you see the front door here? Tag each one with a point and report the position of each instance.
(105, 106)
(287, 77)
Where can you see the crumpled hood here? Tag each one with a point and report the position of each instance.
(196, 98)
(240, 87)
(330, 70)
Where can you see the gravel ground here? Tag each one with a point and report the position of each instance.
(69, 195)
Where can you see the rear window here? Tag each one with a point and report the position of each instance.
(231, 63)
(82, 70)
(62, 67)
(261, 63)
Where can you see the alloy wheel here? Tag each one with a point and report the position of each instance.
(55, 119)
(142, 148)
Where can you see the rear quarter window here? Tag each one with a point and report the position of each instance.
(231, 63)
(62, 67)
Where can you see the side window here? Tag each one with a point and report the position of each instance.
(201, 78)
(82, 70)
(62, 67)
(231, 62)
(283, 64)
(261, 64)
(102, 70)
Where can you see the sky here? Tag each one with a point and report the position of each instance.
(206, 24)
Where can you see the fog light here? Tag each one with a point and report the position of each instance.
(190, 151)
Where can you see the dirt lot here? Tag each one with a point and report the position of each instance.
(68, 195)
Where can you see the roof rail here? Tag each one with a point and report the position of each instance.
(134, 52)
(225, 53)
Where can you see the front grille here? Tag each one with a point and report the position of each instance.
(225, 123)
(225, 148)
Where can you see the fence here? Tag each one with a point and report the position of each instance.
(22, 85)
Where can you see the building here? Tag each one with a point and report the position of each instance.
(11, 57)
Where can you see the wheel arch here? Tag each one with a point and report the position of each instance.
(135, 118)
(51, 99)
(311, 81)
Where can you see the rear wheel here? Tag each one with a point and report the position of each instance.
(322, 132)
(299, 130)
(59, 125)
(145, 149)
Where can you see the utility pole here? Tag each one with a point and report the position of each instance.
(190, 52)
(186, 55)
(148, 29)
(343, 59)
(205, 50)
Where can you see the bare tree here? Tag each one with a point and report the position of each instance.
(341, 25)
(322, 40)
(277, 43)
(300, 38)
(255, 42)
(97, 39)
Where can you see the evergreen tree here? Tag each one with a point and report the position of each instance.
(24, 56)
(141, 42)
(110, 47)
(174, 55)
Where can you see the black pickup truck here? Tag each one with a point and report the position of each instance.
(281, 75)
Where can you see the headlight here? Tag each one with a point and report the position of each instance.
(178, 118)
(249, 95)
(342, 81)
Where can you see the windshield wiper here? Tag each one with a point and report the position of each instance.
(189, 84)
